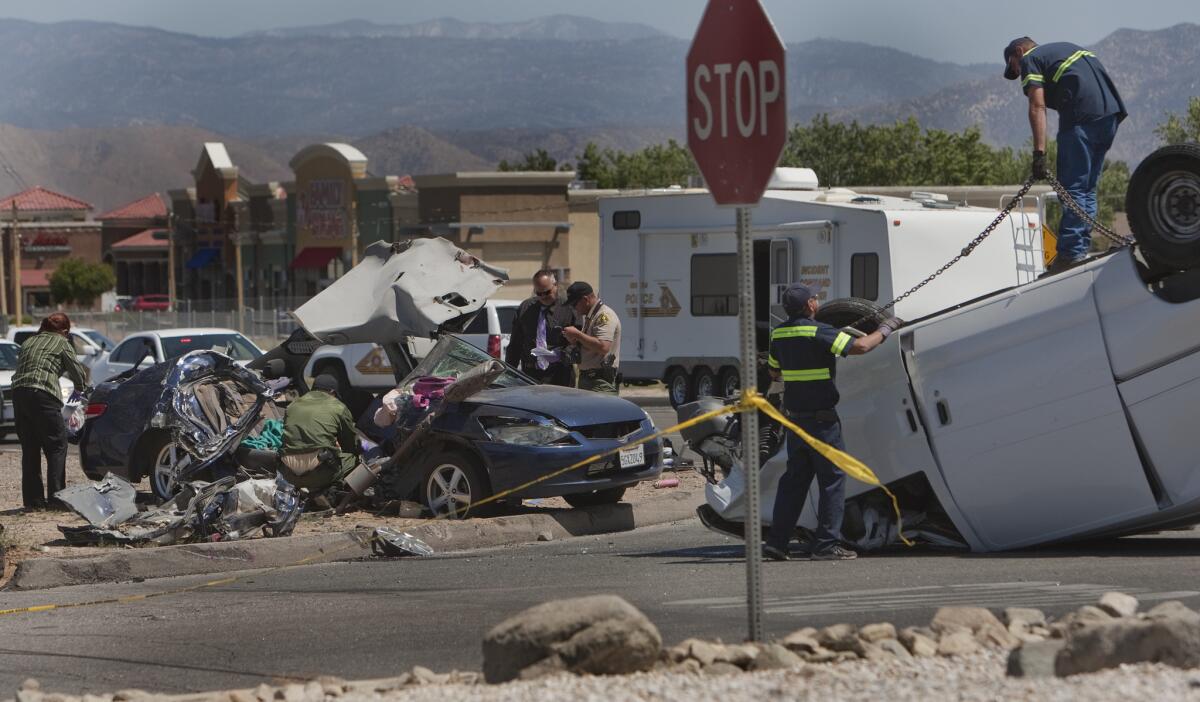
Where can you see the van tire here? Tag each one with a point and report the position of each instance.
(679, 386)
(729, 382)
(704, 383)
(845, 311)
(1163, 205)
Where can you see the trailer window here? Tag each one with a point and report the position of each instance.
(864, 276)
(714, 285)
(627, 219)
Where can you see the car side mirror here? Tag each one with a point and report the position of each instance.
(91, 351)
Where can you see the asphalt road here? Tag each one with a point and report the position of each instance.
(378, 618)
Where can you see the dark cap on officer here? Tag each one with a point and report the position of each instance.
(326, 383)
(1010, 50)
(577, 291)
(796, 297)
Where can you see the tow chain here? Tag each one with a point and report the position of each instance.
(1063, 197)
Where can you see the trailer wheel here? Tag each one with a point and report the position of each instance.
(1163, 204)
(679, 386)
(843, 312)
(729, 382)
(704, 383)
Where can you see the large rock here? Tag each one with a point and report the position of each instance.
(1030, 617)
(1172, 609)
(1173, 641)
(984, 625)
(1034, 660)
(600, 635)
(957, 642)
(873, 633)
(772, 656)
(1118, 604)
(917, 643)
(839, 637)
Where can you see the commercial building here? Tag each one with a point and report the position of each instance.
(50, 227)
(134, 242)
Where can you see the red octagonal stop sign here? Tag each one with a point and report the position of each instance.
(736, 102)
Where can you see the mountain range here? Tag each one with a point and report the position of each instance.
(108, 111)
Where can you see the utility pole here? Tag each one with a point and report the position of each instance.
(237, 258)
(172, 224)
(18, 302)
(3, 286)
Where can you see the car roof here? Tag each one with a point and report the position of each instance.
(34, 327)
(189, 331)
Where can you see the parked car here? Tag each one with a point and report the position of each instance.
(123, 304)
(90, 345)
(150, 303)
(148, 348)
(8, 365)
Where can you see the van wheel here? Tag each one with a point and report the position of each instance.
(846, 311)
(611, 496)
(1163, 204)
(678, 386)
(704, 383)
(729, 382)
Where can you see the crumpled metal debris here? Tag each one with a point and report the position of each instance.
(219, 511)
(386, 541)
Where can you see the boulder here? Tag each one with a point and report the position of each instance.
(984, 625)
(741, 655)
(1173, 641)
(773, 656)
(705, 652)
(894, 648)
(1172, 609)
(1030, 617)
(838, 637)
(917, 643)
(1034, 660)
(600, 635)
(1118, 604)
(957, 642)
(802, 641)
(872, 633)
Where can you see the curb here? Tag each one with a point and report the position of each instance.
(443, 537)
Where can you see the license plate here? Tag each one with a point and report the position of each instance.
(633, 456)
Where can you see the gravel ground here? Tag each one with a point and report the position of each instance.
(977, 677)
(36, 535)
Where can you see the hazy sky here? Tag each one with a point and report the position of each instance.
(962, 31)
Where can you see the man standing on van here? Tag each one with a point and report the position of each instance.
(599, 340)
(536, 344)
(37, 404)
(803, 354)
(1070, 80)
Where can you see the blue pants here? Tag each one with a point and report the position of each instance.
(803, 464)
(1081, 150)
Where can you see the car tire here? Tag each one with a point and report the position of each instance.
(611, 496)
(154, 454)
(355, 400)
(679, 387)
(461, 476)
(704, 383)
(847, 311)
(1163, 205)
(729, 382)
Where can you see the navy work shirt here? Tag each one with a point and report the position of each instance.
(805, 352)
(1076, 84)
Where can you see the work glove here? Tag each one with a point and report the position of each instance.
(1038, 166)
(889, 325)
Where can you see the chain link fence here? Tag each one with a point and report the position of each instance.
(266, 325)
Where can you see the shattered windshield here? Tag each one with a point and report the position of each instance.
(452, 357)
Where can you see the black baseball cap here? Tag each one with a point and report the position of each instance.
(796, 297)
(1011, 49)
(325, 382)
(577, 291)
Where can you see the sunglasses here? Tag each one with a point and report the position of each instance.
(544, 293)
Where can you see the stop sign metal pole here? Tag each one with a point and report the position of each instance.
(749, 420)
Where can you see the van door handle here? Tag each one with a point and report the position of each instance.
(943, 410)
(912, 420)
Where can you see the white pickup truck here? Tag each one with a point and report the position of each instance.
(1058, 409)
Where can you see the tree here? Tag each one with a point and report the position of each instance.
(538, 160)
(1178, 130)
(77, 281)
(656, 166)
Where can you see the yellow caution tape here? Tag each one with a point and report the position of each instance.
(750, 401)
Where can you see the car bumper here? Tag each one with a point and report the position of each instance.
(514, 467)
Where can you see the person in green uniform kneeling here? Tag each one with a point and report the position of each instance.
(319, 444)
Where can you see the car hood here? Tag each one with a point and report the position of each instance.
(572, 407)
(400, 290)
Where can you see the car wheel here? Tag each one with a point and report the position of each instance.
(1163, 204)
(730, 382)
(846, 311)
(678, 387)
(704, 383)
(159, 453)
(451, 483)
(611, 496)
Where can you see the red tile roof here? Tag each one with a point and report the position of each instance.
(39, 199)
(148, 207)
(35, 278)
(142, 240)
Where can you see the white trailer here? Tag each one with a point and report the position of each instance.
(668, 266)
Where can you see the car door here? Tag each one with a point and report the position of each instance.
(123, 357)
(1027, 427)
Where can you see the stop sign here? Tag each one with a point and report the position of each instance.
(736, 102)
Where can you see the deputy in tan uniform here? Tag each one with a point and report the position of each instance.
(599, 340)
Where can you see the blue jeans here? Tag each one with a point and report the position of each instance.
(1081, 150)
(803, 464)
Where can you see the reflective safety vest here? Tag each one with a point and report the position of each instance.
(805, 351)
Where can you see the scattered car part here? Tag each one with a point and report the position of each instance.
(386, 541)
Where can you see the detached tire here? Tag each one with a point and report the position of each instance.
(1163, 205)
(611, 496)
(846, 311)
